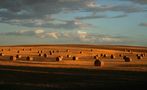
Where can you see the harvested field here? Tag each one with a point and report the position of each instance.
(44, 72)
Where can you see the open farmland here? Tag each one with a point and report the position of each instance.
(37, 67)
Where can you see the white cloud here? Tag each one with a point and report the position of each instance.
(76, 36)
(82, 34)
(39, 31)
(3, 10)
(54, 35)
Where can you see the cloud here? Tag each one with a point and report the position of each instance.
(127, 8)
(143, 24)
(24, 32)
(100, 38)
(64, 24)
(101, 16)
(40, 13)
(120, 16)
(23, 9)
(139, 1)
(75, 36)
(92, 17)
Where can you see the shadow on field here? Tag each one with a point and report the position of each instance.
(133, 65)
(39, 78)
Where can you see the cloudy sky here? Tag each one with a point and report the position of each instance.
(121, 22)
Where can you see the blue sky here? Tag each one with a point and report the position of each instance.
(121, 22)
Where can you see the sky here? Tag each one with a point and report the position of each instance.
(111, 22)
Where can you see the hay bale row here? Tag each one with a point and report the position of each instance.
(142, 55)
(96, 57)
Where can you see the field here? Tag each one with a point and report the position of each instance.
(39, 67)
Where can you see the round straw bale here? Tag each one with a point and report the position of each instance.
(142, 55)
(18, 56)
(67, 50)
(129, 51)
(120, 55)
(91, 50)
(98, 62)
(50, 53)
(40, 54)
(128, 59)
(45, 55)
(124, 57)
(105, 55)
(18, 51)
(112, 56)
(2, 54)
(139, 57)
(101, 54)
(68, 56)
(81, 52)
(29, 58)
(59, 58)
(75, 58)
(13, 58)
(96, 57)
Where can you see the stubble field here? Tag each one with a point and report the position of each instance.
(37, 67)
